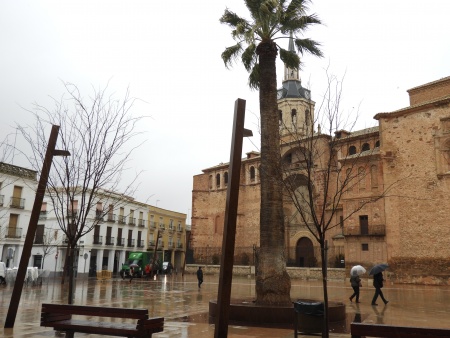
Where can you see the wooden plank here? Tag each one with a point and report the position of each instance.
(96, 311)
(391, 331)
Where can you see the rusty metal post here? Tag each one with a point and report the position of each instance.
(229, 233)
(28, 244)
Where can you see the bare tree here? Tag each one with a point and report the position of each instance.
(320, 171)
(49, 243)
(98, 132)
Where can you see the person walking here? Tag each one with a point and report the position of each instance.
(200, 276)
(378, 284)
(355, 282)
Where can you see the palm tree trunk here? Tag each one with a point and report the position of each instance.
(273, 284)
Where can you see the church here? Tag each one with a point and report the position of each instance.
(395, 211)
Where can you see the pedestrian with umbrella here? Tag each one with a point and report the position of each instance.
(377, 273)
(355, 281)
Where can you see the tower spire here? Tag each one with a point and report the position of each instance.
(291, 73)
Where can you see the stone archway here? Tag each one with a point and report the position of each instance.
(304, 253)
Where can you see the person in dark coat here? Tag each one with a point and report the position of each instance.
(200, 276)
(355, 282)
(378, 284)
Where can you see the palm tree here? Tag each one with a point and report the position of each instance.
(270, 20)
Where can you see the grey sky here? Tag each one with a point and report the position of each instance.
(168, 54)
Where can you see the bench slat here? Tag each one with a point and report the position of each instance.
(391, 331)
(96, 311)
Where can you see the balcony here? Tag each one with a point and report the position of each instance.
(98, 240)
(171, 228)
(171, 245)
(130, 243)
(162, 226)
(13, 232)
(180, 230)
(99, 215)
(122, 219)
(372, 230)
(109, 240)
(179, 245)
(120, 241)
(72, 214)
(131, 221)
(17, 202)
(141, 223)
(152, 225)
(151, 243)
(140, 243)
(2, 197)
(111, 218)
(43, 215)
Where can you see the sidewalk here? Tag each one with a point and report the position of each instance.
(185, 307)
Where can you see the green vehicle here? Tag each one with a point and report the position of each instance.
(137, 261)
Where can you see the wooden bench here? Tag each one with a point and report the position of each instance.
(104, 274)
(390, 331)
(59, 316)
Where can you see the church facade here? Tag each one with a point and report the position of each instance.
(396, 211)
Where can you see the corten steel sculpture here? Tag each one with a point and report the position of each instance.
(28, 244)
(229, 233)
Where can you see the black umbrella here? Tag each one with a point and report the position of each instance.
(378, 268)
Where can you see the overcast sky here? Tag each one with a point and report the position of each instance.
(168, 54)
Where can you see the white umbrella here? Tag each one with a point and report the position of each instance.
(357, 270)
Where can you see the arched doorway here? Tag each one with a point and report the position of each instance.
(304, 253)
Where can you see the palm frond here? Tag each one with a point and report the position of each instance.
(230, 54)
(290, 59)
(254, 6)
(308, 45)
(253, 78)
(298, 24)
(249, 57)
(232, 19)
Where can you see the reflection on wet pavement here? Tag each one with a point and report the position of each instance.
(185, 307)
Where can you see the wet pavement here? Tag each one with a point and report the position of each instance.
(185, 307)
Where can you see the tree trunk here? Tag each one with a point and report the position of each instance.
(71, 275)
(324, 257)
(273, 284)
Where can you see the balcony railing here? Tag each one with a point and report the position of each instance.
(162, 226)
(99, 215)
(179, 245)
(120, 241)
(13, 232)
(140, 243)
(17, 202)
(372, 230)
(2, 197)
(98, 239)
(122, 219)
(109, 240)
(180, 230)
(171, 228)
(171, 245)
(131, 221)
(151, 243)
(130, 242)
(152, 225)
(72, 213)
(43, 215)
(111, 218)
(141, 223)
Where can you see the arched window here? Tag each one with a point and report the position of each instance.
(352, 150)
(377, 144)
(294, 116)
(362, 178)
(307, 117)
(374, 176)
(210, 181)
(252, 174)
(225, 177)
(280, 118)
(365, 147)
(288, 158)
(218, 180)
